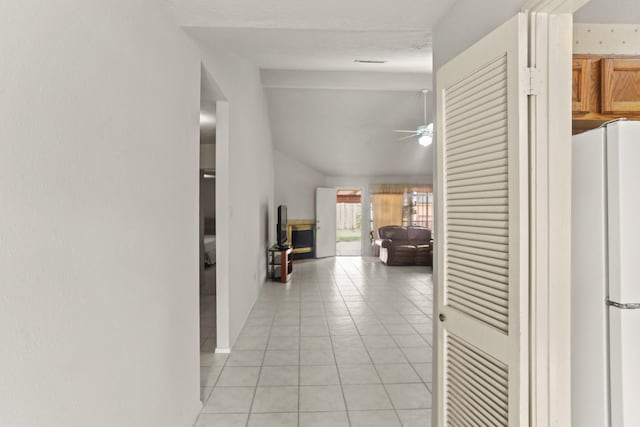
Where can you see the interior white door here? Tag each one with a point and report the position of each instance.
(482, 232)
(325, 222)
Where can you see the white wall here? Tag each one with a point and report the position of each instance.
(465, 23)
(606, 39)
(349, 132)
(250, 213)
(99, 215)
(609, 11)
(295, 186)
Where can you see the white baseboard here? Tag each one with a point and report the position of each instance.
(222, 350)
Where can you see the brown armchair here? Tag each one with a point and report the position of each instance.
(405, 245)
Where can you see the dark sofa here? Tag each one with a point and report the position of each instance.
(405, 245)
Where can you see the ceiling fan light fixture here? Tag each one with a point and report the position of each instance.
(425, 140)
(426, 135)
(423, 132)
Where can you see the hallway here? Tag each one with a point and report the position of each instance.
(347, 342)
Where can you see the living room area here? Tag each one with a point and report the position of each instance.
(384, 213)
(392, 177)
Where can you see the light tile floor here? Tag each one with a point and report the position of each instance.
(347, 342)
(353, 248)
(207, 323)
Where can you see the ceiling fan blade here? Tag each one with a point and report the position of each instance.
(407, 137)
(406, 131)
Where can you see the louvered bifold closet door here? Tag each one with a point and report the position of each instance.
(482, 233)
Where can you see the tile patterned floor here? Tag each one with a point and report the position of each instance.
(352, 248)
(207, 323)
(347, 342)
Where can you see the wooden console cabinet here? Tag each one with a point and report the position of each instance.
(280, 265)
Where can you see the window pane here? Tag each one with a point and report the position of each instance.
(419, 209)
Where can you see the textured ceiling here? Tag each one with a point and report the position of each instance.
(349, 133)
(404, 51)
(325, 123)
(318, 35)
(340, 15)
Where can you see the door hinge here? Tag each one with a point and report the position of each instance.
(533, 81)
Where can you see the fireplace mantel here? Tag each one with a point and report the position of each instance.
(301, 235)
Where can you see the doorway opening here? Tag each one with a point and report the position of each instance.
(207, 231)
(348, 222)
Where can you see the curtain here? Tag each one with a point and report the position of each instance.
(388, 203)
(399, 188)
(387, 210)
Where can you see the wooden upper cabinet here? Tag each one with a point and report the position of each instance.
(605, 87)
(582, 85)
(620, 85)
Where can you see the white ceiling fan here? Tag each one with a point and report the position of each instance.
(423, 132)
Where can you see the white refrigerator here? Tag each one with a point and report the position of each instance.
(606, 277)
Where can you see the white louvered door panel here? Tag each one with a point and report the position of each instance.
(482, 232)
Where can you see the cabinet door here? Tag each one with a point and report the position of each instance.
(582, 86)
(620, 85)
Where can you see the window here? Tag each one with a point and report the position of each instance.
(418, 209)
(401, 204)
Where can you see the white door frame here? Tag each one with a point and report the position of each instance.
(223, 214)
(223, 218)
(551, 29)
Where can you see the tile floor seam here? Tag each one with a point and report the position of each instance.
(380, 377)
(264, 355)
(333, 351)
(383, 386)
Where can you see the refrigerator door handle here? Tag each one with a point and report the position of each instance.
(624, 306)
